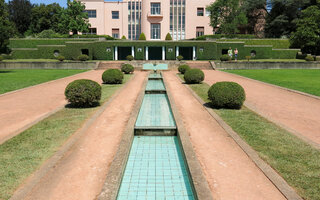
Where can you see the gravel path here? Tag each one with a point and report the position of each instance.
(81, 172)
(230, 173)
(19, 110)
(298, 113)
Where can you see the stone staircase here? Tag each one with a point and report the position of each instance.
(110, 65)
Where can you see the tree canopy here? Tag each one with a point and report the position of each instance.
(20, 14)
(6, 27)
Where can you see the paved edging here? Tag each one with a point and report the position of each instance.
(36, 177)
(114, 177)
(202, 190)
(288, 192)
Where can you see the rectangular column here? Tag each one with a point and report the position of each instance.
(163, 53)
(194, 53)
(177, 51)
(147, 53)
(115, 53)
(132, 51)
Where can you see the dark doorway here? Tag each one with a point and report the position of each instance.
(186, 52)
(224, 51)
(155, 53)
(85, 52)
(123, 52)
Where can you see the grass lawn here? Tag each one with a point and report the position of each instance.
(297, 162)
(15, 79)
(304, 80)
(25, 153)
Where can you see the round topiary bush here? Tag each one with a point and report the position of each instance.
(309, 58)
(61, 58)
(225, 58)
(226, 95)
(129, 57)
(194, 76)
(112, 76)
(183, 68)
(180, 57)
(83, 57)
(127, 68)
(83, 93)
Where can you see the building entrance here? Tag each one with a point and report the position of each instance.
(123, 52)
(186, 52)
(155, 53)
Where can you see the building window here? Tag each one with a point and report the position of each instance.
(115, 14)
(92, 31)
(200, 11)
(115, 33)
(91, 13)
(155, 8)
(155, 31)
(200, 31)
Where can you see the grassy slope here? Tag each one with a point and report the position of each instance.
(20, 78)
(23, 154)
(297, 162)
(304, 80)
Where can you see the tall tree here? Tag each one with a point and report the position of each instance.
(227, 16)
(307, 36)
(44, 17)
(20, 14)
(6, 27)
(74, 18)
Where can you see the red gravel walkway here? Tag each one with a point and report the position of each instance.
(230, 173)
(296, 112)
(18, 110)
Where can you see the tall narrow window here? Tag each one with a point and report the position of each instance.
(200, 11)
(115, 14)
(115, 33)
(91, 13)
(199, 31)
(155, 31)
(155, 8)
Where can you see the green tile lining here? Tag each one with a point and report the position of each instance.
(155, 85)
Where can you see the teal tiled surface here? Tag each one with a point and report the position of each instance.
(155, 75)
(150, 66)
(155, 170)
(155, 111)
(155, 85)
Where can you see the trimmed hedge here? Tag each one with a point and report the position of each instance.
(127, 68)
(194, 76)
(183, 68)
(32, 43)
(83, 93)
(112, 76)
(309, 58)
(225, 57)
(276, 43)
(1, 58)
(219, 36)
(130, 57)
(83, 57)
(61, 58)
(226, 95)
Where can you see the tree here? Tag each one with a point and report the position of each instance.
(45, 17)
(227, 15)
(307, 36)
(168, 36)
(74, 18)
(20, 14)
(6, 27)
(142, 36)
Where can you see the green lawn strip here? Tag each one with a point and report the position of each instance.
(25, 153)
(304, 80)
(297, 162)
(15, 79)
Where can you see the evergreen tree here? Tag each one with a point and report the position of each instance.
(6, 27)
(20, 14)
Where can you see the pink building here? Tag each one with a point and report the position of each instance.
(183, 19)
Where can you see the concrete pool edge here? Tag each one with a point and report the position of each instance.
(285, 189)
(113, 179)
(199, 182)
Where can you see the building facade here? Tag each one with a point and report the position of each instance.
(183, 19)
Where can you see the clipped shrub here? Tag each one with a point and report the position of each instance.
(309, 58)
(127, 68)
(46, 34)
(301, 55)
(112, 76)
(168, 36)
(123, 37)
(129, 57)
(61, 58)
(193, 76)
(183, 68)
(248, 58)
(83, 93)
(225, 57)
(6, 56)
(180, 57)
(83, 57)
(1, 58)
(227, 95)
(142, 36)
(317, 58)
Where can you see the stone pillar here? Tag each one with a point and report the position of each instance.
(163, 53)
(194, 53)
(147, 53)
(132, 51)
(177, 51)
(115, 53)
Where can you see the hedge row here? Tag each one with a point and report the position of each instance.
(219, 36)
(104, 50)
(32, 43)
(276, 43)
